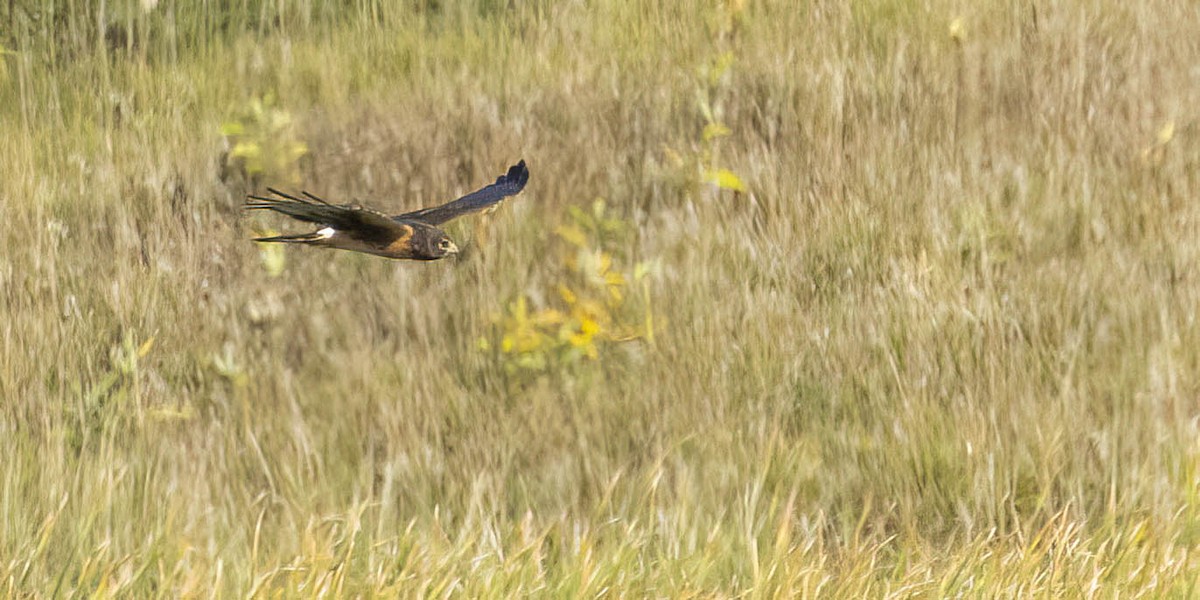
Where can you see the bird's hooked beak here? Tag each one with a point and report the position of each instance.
(453, 249)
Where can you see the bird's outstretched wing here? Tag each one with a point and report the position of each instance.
(356, 222)
(509, 184)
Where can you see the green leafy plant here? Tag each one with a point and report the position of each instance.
(716, 82)
(115, 397)
(703, 164)
(588, 308)
(263, 142)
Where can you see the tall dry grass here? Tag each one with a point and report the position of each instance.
(942, 342)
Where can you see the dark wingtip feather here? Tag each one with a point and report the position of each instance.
(517, 174)
(287, 196)
(316, 198)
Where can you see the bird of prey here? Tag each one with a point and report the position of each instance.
(412, 235)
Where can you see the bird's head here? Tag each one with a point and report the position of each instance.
(434, 245)
(446, 246)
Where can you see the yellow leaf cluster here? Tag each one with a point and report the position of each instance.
(586, 309)
(1154, 154)
(725, 179)
(958, 30)
(263, 141)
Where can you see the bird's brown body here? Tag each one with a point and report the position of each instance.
(412, 236)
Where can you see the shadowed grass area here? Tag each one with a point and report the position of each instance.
(883, 299)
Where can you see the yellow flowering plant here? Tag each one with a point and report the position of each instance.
(585, 312)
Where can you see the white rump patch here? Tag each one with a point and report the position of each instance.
(326, 233)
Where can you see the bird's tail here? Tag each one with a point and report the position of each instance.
(302, 238)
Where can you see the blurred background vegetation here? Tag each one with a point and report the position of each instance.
(883, 298)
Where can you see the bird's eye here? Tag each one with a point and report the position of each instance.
(444, 245)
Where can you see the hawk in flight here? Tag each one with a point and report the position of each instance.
(412, 235)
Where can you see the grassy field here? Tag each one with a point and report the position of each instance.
(872, 299)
